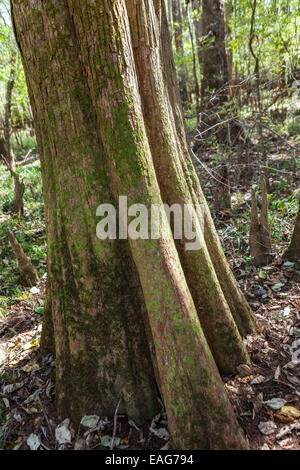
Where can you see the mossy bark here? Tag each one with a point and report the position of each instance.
(94, 122)
(101, 348)
(219, 327)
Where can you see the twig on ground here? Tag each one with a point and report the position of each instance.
(115, 424)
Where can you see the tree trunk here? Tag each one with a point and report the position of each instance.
(213, 59)
(196, 83)
(198, 28)
(228, 37)
(100, 342)
(178, 35)
(293, 251)
(7, 115)
(119, 108)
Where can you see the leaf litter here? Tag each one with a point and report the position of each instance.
(266, 396)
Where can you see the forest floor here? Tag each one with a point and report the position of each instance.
(266, 396)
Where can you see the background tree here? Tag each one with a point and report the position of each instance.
(213, 57)
(293, 251)
(119, 109)
(177, 18)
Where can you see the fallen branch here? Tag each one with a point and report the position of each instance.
(27, 161)
(28, 274)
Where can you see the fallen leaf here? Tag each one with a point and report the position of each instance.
(90, 421)
(62, 433)
(12, 388)
(258, 380)
(275, 403)
(107, 440)
(277, 373)
(244, 370)
(34, 290)
(278, 286)
(30, 367)
(262, 274)
(33, 442)
(31, 344)
(39, 310)
(290, 411)
(285, 442)
(6, 402)
(267, 427)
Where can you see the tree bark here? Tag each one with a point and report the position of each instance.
(196, 83)
(7, 115)
(198, 28)
(119, 109)
(28, 274)
(213, 59)
(178, 37)
(293, 251)
(228, 38)
(166, 149)
(260, 234)
(100, 341)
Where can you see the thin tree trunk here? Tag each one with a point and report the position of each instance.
(293, 251)
(178, 36)
(196, 83)
(118, 107)
(228, 38)
(212, 56)
(214, 60)
(7, 115)
(198, 28)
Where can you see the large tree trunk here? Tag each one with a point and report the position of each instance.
(97, 315)
(106, 106)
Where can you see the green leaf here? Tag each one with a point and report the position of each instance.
(106, 441)
(278, 286)
(39, 310)
(262, 274)
(289, 264)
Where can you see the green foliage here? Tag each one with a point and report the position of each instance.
(293, 126)
(21, 111)
(28, 230)
(276, 40)
(22, 143)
